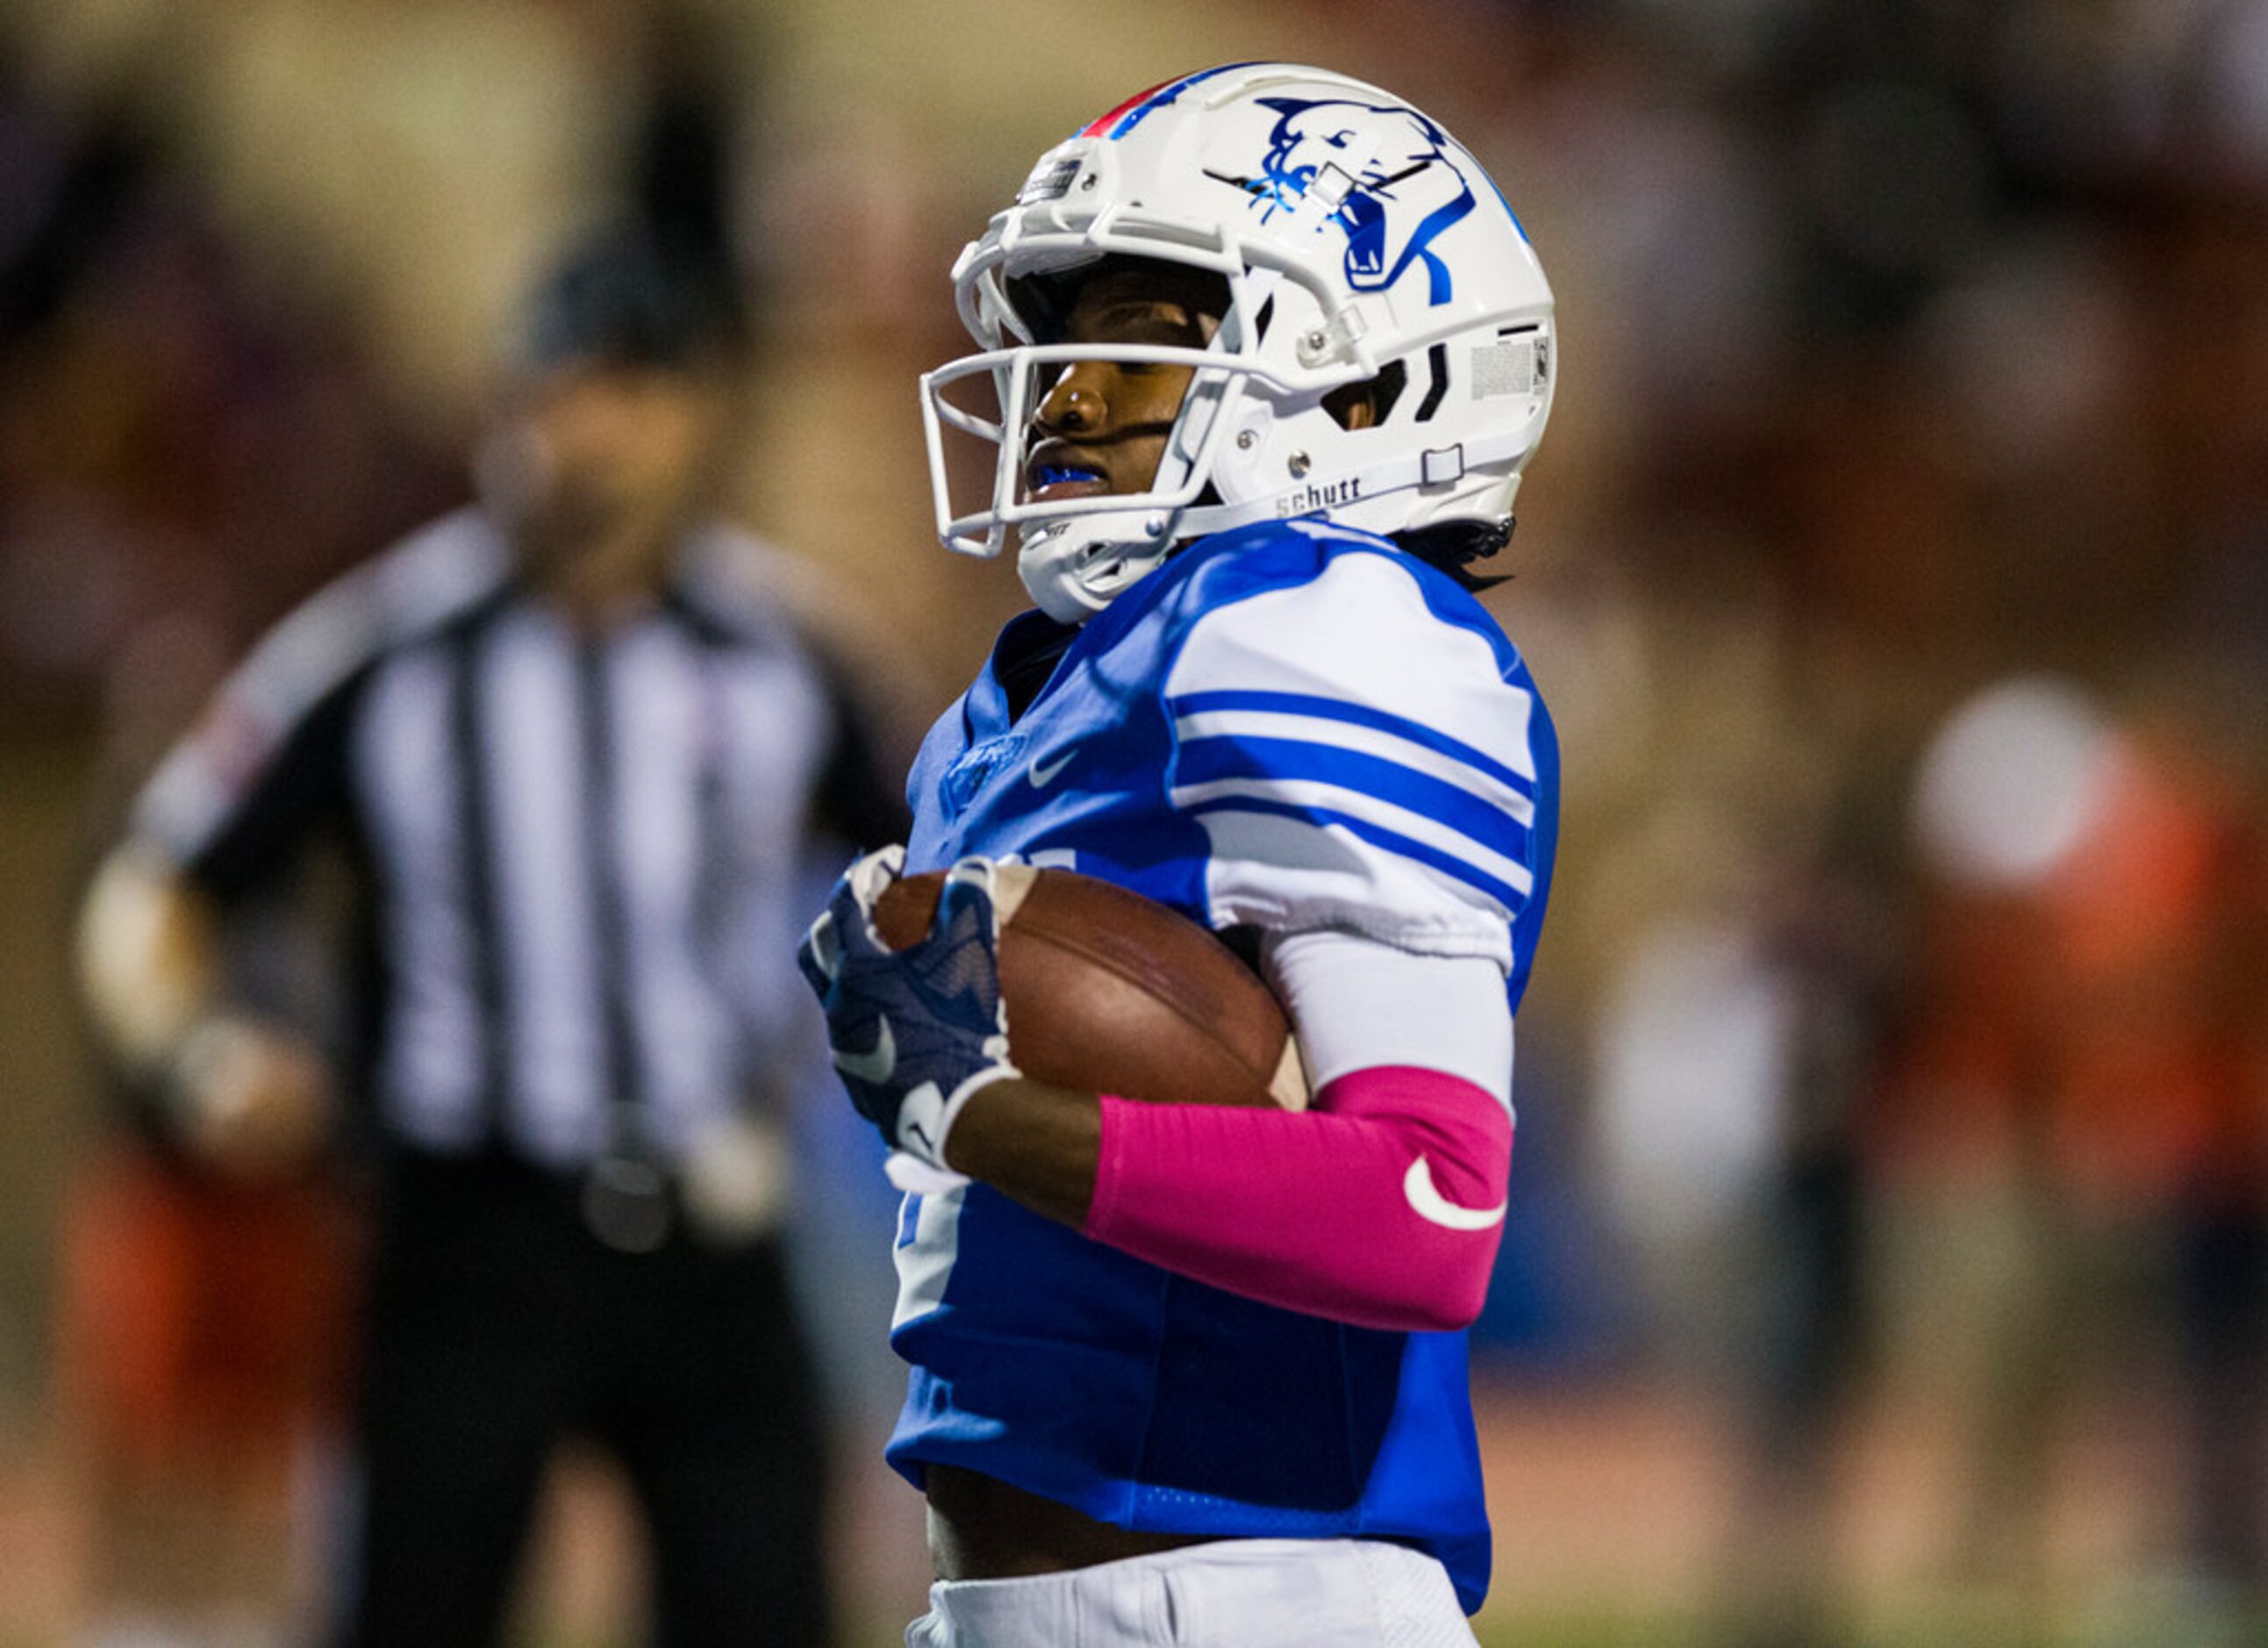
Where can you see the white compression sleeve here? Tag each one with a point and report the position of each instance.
(1359, 1004)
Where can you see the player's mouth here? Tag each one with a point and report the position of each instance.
(1049, 478)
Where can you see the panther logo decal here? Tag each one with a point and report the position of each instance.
(1409, 191)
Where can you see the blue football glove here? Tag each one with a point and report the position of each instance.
(915, 1033)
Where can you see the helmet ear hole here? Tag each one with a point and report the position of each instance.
(1367, 405)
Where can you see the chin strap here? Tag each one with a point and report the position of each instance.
(1050, 561)
(1436, 466)
(1058, 563)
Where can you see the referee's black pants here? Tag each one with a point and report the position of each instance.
(497, 1326)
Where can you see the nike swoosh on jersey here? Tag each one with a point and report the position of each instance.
(1429, 1204)
(1043, 776)
(875, 1066)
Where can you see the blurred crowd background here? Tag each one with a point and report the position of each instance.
(1889, 1255)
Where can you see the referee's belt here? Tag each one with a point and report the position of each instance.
(730, 1190)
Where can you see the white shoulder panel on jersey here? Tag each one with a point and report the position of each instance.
(1357, 764)
(387, 602)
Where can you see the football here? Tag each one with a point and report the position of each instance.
(1110, 992)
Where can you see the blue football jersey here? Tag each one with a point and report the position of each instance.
(1291, 727)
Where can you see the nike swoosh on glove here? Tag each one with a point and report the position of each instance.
(915, 1033)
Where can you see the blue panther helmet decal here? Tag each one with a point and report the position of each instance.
(1353, 241)
(1408, 191)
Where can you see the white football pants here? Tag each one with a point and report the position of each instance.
(1233, 1593)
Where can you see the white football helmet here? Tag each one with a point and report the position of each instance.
(1358, 241)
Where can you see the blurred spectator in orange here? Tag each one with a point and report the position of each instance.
(2159, 934)
(202, 1305)
(2081, 1108)
(204, 1321)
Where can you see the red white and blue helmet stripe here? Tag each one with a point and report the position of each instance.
(1134, 109)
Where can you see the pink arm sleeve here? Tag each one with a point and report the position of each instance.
(1381, 1206)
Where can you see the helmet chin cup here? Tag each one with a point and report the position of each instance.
(1073, 568)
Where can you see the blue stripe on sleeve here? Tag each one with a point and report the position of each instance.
(1236, 756)
(1356, 715)
(1448, 864)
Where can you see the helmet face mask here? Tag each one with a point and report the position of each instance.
(1356, 244)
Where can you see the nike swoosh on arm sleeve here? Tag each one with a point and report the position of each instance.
(1315, 1211)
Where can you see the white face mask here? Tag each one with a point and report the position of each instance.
(1076, 554)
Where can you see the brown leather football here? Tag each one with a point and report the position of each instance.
(1110, 992)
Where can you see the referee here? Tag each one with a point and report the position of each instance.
(573, 750)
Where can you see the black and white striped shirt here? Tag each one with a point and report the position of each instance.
(584, 853)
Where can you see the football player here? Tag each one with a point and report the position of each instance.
(1266, 352)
